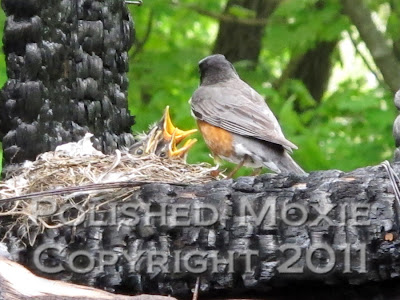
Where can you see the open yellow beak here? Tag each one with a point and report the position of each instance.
(169, 129)
(164, 138)
(174, 152)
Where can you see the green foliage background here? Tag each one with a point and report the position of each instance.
(351, 127)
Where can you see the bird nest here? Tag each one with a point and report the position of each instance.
(79, 175)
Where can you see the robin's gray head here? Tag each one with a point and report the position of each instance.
(216, 68)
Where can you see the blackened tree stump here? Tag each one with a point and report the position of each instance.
(67, 64)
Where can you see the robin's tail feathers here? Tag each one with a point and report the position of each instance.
(286, 164)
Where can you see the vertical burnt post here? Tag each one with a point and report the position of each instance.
(67, 69)
(396, 128)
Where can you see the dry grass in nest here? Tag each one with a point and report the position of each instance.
(58, 170)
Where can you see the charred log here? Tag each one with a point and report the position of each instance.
(67, 64)
(250, 234)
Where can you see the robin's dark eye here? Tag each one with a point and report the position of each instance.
(163, 154)
(139, 151)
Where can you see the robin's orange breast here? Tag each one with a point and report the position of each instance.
(217, 139)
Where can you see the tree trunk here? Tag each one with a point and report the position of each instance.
(313, 68)
(67, 64)
(250, 234)
(375, 41)
(240, 41)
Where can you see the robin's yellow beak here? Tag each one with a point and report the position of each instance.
(174, 152)
(169, 129)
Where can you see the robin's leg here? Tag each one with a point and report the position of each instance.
(256, 172)
(233, 172)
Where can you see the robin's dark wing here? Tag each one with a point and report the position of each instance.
(239, 109)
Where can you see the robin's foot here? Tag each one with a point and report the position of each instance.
(234, 171)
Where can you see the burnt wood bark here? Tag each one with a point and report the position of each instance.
(67, 64)
(325, 229)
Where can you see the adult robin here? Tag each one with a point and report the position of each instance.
(236, 123)
(163, 138)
